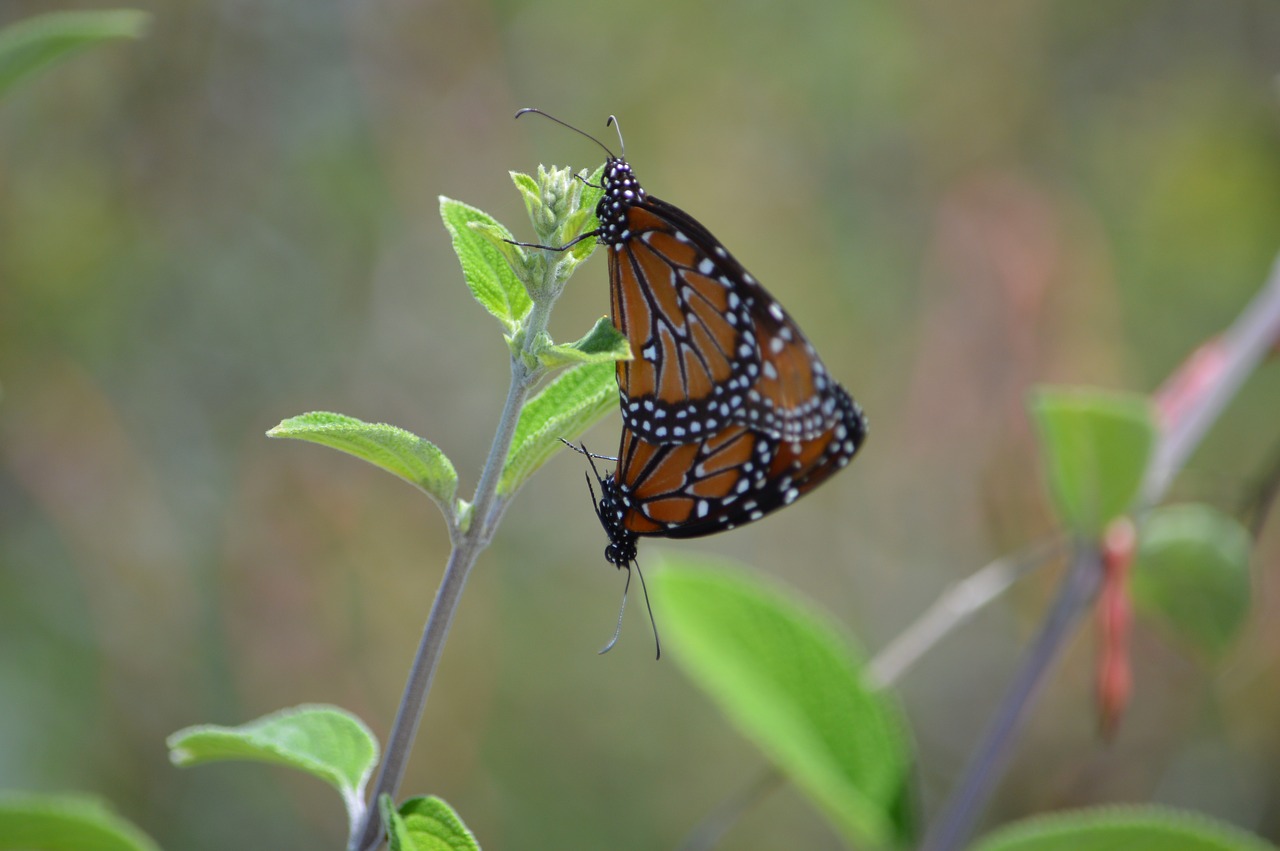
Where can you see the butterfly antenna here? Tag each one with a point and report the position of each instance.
(621, 611)
(652, 623)
(570, 126)
(613, 119)
(592, 462)
(581, 449)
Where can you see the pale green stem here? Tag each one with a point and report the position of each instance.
(485, 512)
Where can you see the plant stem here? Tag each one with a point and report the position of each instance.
(1235, 355)
(367, 834)
(952, 827)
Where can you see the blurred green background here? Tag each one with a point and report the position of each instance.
(235, 220)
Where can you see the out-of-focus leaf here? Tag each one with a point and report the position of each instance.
(35, 43)
(565, 408)
(1193, 574)
(793, 682)
(1095, 447)
(419, 462)
(1121, 828)
(425, 824)
(324, 741)
(65, 823)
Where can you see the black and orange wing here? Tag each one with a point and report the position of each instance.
(712, 347)
(727, 479)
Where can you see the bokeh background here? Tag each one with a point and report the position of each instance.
(235, 220)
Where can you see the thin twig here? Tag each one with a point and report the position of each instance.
(717, 822)
(952, 826)
(956, 605)
(1232, 358)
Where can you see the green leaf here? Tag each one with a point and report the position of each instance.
(36, 43)
(566, 408)
(1193, 574)
(485, 267)
(1115, 828)
(793, 682)
(1095, 448)
(419, 462)
(325, 741)
(585, 218)
(425, 824)
(602, 344)
(497, 236)
(592, 192)
(65, 823)
(529, 191)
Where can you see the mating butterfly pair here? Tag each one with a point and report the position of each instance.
(728, 412)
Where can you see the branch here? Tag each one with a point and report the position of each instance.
(957, 604)
(1188, 403)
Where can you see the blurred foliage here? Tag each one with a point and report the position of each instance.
(235, 219)
(33, 44)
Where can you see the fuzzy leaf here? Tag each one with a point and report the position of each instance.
(425, 824)
(324, 741)
(35, 43)
(488, 275)
(497, 236)
(792, 681)
(1193, 574)
(419, 462)
(585, 218)
(1095, 447)
(592, 192)
(65, 823)
(528, 188)
(1147, 828)
(602, 344)
(566, 408)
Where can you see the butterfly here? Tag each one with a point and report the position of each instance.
(713, 351)
(734, 476)
(728, 411)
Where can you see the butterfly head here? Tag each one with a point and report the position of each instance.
(621, 553)
(621, 191)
